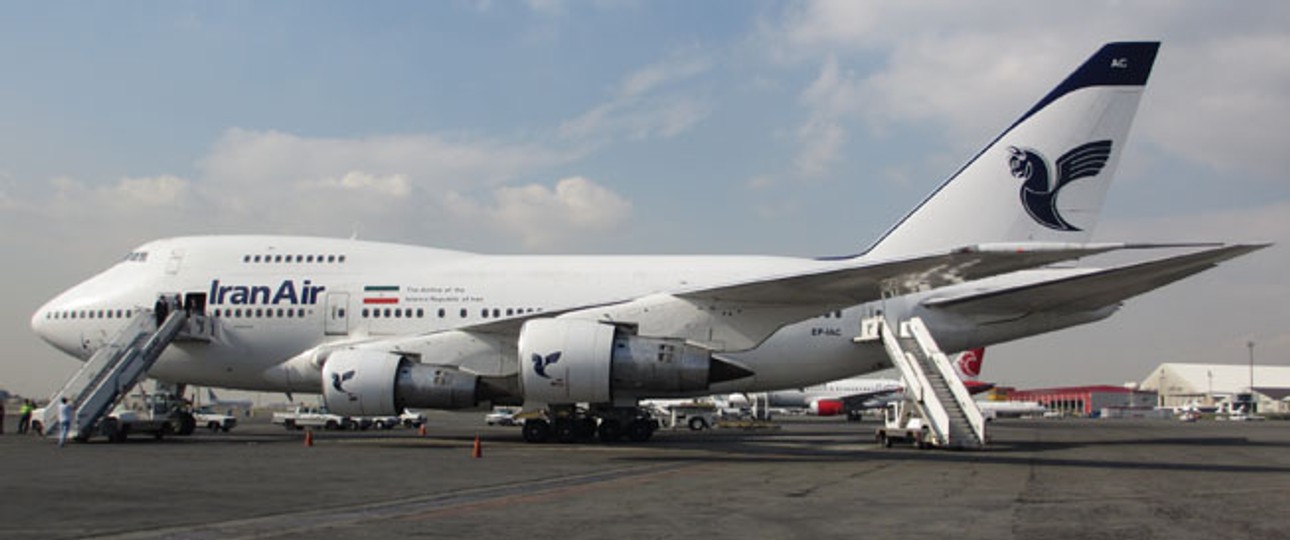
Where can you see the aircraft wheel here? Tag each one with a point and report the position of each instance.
(536, 431)
(640, 430)
(610, 430)
(566, 431)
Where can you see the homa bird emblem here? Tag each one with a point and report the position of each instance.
(1039, 190)
(540, 363)
(339, 378)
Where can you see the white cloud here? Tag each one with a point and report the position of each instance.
(399, 188)
(394, 185)
(1225, 102)
(637, 110)
(971, 68)
(164, 190)
(831, 99)
(548, 219)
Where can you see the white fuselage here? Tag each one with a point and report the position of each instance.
(274, 301)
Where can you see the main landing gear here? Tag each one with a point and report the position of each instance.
(568, 424)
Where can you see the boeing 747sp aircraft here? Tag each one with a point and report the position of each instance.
(378, 327)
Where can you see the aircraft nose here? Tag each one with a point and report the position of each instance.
(40, 322)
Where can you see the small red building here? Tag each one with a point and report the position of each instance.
(1085, 400)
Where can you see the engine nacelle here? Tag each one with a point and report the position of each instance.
(581, 361)
(827, 407)
(360, 382)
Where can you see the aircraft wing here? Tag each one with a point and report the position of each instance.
(860, 401)
(739, 316)
(1092, 290)
(850, 284)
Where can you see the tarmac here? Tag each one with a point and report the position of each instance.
(811, 478)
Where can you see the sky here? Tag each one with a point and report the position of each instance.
(618, 126)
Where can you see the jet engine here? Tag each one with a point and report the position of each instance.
(580, 361)
(359, 382)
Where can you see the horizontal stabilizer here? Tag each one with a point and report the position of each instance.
(851, 283)
(1093, 289)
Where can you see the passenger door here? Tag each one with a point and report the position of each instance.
(337, 318)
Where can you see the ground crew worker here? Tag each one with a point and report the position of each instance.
(24, 420)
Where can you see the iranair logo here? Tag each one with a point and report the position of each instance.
(540, 363)
(338, 379)
(1041, 183)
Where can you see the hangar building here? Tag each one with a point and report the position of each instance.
(1215, 384)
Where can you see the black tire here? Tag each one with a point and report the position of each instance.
(884, 440)
(610, 430)
(640, 430)
(213, 426)
(110, 429)
(37, 427)
(697, 423)
(290, 425)
(331, 424)
(537, 431)
(380, 424)
(566, 431)
(187, 425)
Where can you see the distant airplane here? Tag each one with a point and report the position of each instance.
(1010, 409)
(377, 328)
(211, 399)
(854, 395)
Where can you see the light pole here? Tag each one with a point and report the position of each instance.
(1250, 344)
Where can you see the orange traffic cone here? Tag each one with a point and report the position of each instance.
(309, 437)
(422, 430)
(478, 451)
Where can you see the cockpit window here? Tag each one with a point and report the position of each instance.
(137, 256)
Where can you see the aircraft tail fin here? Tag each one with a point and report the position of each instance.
(967, 364)
(1045, 177)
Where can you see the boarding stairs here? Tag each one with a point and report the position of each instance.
(113, 370)
(931, 386)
